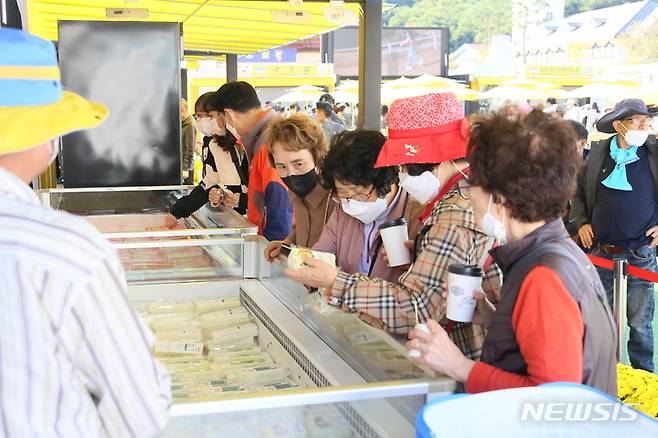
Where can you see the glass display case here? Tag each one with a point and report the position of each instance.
(182, 259)
(139, 212)
(268, 355)
(338, 412)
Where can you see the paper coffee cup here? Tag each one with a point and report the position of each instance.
(394, 234)
(462, 281)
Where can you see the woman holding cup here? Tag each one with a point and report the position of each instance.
(552, 322)
(428, 136)
(372, 211)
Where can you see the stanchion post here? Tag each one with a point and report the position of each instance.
(619, 310)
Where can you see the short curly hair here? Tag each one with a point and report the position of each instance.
(296, 133)
(351, 159)
(531, 161)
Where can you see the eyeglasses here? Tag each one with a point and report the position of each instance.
(639, 121)
(199, 116)
(361, 197)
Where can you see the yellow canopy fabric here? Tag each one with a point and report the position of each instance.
(613, 90)
(349, 86)
(228, 26)
(649, 94)
(341, 96)
(427, 80)
(391, 94)
(401, 82)
(510, 92)
(299, 96)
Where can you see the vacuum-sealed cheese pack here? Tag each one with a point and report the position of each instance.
(245, 331)
(211, 305)
(297, 255)
(164, 306)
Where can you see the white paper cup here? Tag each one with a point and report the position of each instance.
(394, 234)
(462, 281)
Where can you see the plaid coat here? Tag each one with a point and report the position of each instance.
(449, 236)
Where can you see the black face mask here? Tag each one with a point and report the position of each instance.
(301, 185)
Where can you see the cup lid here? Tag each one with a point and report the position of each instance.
(394, 223)
(469, 270)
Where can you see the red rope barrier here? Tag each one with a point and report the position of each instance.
(632, 270)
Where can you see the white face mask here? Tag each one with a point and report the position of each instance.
(494, 227)
(423, 187)
(231, 127)
(54, 151)
(209, 127)
(636, 137)
(366, 212)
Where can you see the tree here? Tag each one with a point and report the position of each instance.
(526, 16)
(468, 22)
(572, 7)
(475, 21)
(641, 43)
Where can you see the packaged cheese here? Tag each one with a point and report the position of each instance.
(215, 391)
(235, 345)
(297, 255)
(189, 334)
(211, 305)
(257, 376)
(158, 307)
(178, 348)
(219, 356)
(229, 319)
(246, 331)
(199, 374)
(259, 360)
(176, 321)
(171, 361)
(281, 385)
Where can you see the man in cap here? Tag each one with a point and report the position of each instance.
(325, 115)
(428, 136)
(614, 211)
(75, 359)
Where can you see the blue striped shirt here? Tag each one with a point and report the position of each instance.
(75, 359)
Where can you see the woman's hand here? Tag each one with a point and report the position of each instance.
(318, 274)
(273, 250)
(484, 309)
(231, 199)
(171, 222)
(438, 352)
(215, 196)
(409, 244)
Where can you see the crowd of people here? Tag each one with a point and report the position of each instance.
(462, 186)
(492, 191)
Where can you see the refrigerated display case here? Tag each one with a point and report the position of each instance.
(368, 410)
(139, 212)
(319, 349)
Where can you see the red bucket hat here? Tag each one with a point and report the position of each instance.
(425, 129)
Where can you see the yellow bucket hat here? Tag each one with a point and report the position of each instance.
(33, 106)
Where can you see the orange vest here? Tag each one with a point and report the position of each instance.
(260, 175)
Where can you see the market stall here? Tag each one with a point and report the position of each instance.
(236, 334)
